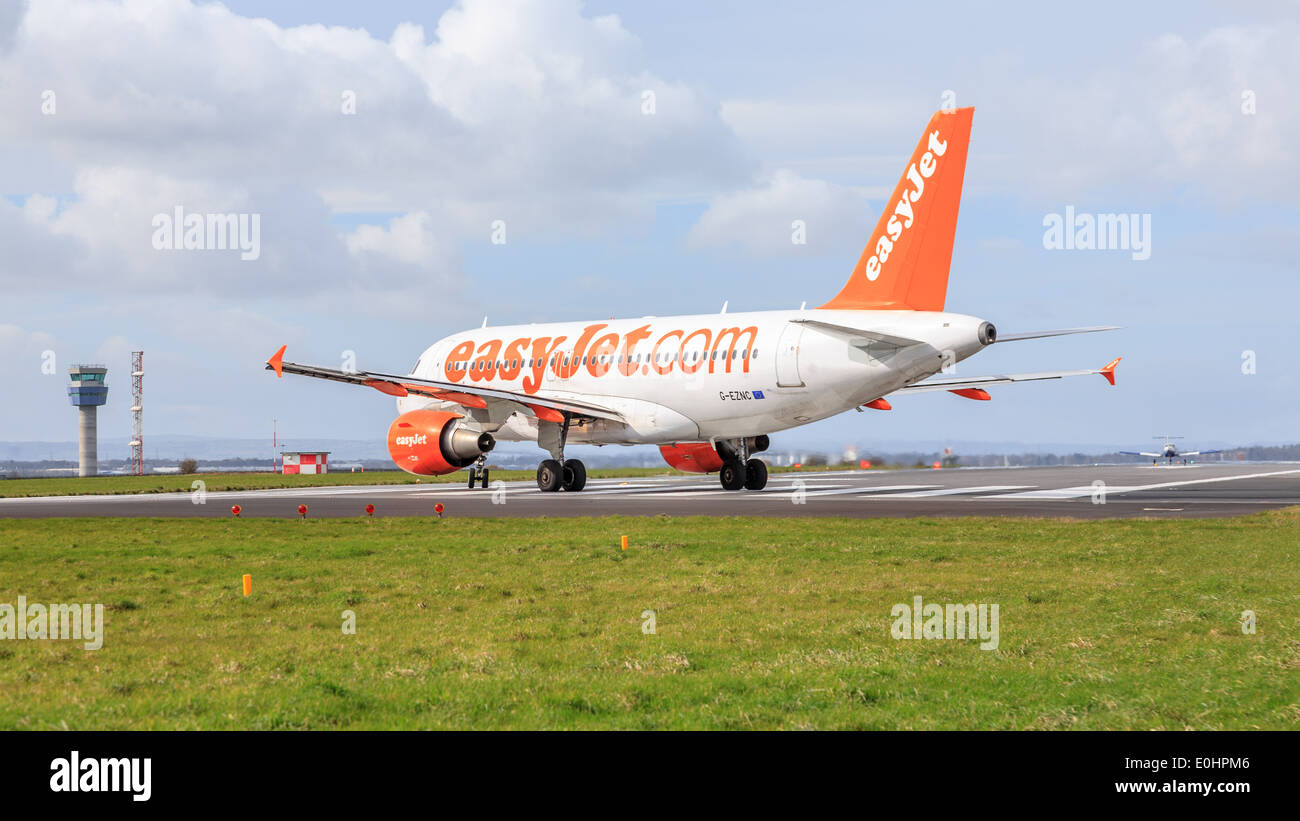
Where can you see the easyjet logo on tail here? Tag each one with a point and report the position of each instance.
(917, 173)
(905, 263)
(599, 353)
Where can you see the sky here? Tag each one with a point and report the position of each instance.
(381, 146)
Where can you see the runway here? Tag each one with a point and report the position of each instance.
(1099, 492)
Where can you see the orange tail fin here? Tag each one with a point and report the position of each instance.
(905, 265)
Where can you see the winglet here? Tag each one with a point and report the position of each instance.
(276, 362)
(1109, 370)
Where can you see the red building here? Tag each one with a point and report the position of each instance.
(306, 461)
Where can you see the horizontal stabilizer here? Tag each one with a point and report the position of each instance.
(1064, 332)
(1108, 371)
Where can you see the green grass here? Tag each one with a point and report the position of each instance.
(761, 623)
(176, 483)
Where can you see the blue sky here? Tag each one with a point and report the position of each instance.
(376, 225)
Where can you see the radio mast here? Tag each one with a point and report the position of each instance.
(137, 413)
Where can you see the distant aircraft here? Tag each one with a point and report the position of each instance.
(1169, 452)
(708, 389)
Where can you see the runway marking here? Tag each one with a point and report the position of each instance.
(1088, 490)
(1166, 509)
(951, 491)
(847, 490)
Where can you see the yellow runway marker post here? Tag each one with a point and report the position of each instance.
(248, 584)
(625, 543)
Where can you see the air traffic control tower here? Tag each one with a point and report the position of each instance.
(86, 393)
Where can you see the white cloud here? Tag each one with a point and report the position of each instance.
(761, 220)
(526, 111)
(407, 238)
(1161, 125)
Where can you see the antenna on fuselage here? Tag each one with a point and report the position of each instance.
(724, 307)
(484, 325)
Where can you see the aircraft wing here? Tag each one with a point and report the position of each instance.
(1141, 453)
(1197, 452)
(977, 382)
(470, 396)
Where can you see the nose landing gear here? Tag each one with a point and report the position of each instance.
(478, 472)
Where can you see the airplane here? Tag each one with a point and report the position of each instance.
(1169, 452)
(710, 389)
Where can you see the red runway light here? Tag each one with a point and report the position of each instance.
(438, 509)
(235, 510)
(370, 510)
(302, 511)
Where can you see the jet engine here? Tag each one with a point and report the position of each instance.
(430, 442)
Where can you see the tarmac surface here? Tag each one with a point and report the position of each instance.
(1091, 492)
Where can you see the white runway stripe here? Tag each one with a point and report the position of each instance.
(1082, 490)
(877, 489)
(951, 491)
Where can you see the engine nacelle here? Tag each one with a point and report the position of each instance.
(430, 442)
(692, 457)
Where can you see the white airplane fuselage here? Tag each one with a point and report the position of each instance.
(709, 388)
(698, 377)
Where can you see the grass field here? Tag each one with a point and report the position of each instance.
(489, 623)
(176, 483)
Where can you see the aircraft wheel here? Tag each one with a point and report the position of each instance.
(755, 474)
(484, 473)
(473, 477)
(732, 475)
(549, 476)
(575, 475)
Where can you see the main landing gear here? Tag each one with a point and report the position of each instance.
(558, 473)
(749, 475)
(738, 469)
(553, 475)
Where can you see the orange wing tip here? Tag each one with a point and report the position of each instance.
(878, 404)
(1109, 370)
(276, 362)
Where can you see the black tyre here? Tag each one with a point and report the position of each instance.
(484, 474)
(732, 475)
(473, 477)
(549, 476)
(755, 474)
(575, 475)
